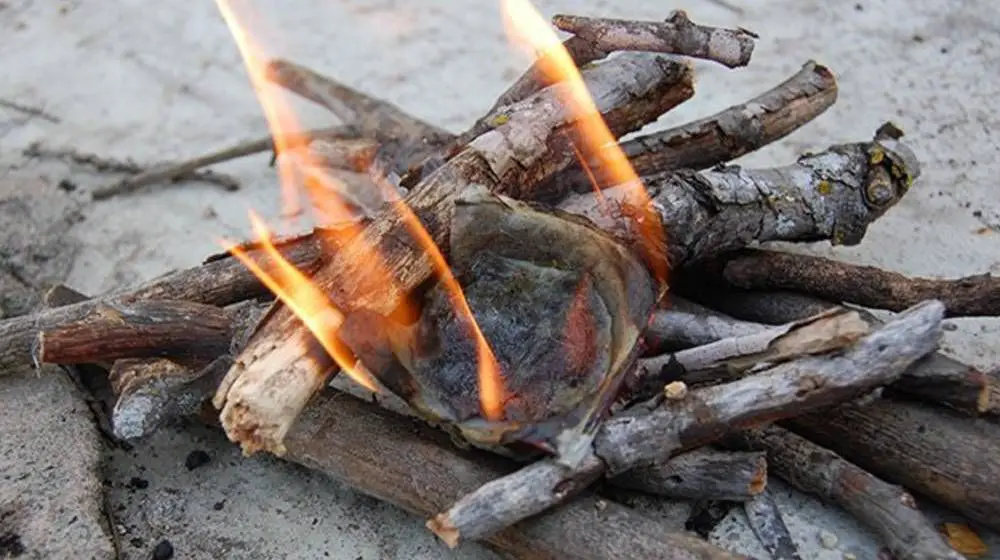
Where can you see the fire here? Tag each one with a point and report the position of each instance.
(314, 308)
(528, 30)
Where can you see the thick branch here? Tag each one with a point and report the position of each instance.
(824, 196)
(867, 286)
(887, 509)
(725, 136)
(675, 35)
(950, 459)
(685, 324)
(275, 376)
(701, 474)
(401, 461)
(642, 437)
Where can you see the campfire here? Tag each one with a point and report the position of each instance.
(522, 319)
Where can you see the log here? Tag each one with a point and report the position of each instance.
(937, 453)
(724, 136)
(510, 159)
(702, 474)
(868, 286)
(675, 35)
(403, 462)
(822, 196)
(937, 378)
(657, 431)
(887, 509)
(114, 330)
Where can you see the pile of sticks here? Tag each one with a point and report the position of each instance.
(756, 364)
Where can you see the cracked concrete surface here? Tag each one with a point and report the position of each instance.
(159, 81)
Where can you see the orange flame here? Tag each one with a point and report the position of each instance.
(528, 30)
(307, 301)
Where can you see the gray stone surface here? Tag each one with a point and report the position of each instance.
(161, 80)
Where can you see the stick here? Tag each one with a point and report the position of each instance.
(828, 331)
(937, 378)
(885, 508)
(769, 527)
(274, 377)
(821, 197)
(149, 173)
(701, 474)
(725, 136)
(675, 35)
(686, 324)
(401, 461)
(948, 458)
(867, 286)
(642, 437)
(30, 111)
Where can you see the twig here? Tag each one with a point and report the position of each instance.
(725, 136)
(31, 111)
(937, 378)
(641, 437)
(685, 324)
(867, 286)
(675, 35)
(159, 172)
(885, 508)
(702, 474)
(769, 527)
(819, 334)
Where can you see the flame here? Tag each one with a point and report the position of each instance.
(306, 300)
(527, 29)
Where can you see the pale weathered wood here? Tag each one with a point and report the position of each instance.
(769, 526)
(646, 434)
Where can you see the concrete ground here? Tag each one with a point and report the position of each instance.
(163, 80)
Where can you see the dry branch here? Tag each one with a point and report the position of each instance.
(274, 377)
(702, 474)
(867, 286)
(117, 329)
(769, 527)
(951, 459)
(725, 136)
(823, 196)
(685, 324)
(645, 435)
(886, 508)
(936, 378)
(675, 35)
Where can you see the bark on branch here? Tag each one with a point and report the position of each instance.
(885, 508)
(675, 35)
(867, 286)
(702, 474)
(642, 436)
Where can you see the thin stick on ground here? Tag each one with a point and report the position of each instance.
(30, 111)
(675, 35)
(724, 136)
(887, 509)
(867, 286)
(769, 527)
(146, 173)
(645, 435)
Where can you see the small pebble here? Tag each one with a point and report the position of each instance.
(675, 391)
(163, 551)
(195, 459)
(828, 539)
(138, 483)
